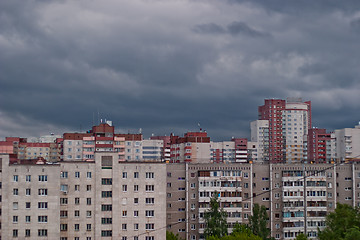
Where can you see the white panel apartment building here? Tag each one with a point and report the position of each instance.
(260, 136)
(348, 143)
(102, 199)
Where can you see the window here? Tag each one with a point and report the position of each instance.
(149, 213)
(149, 200)
(149, 226)
(124, 213)
(27, 232)
(42, 219)
(136, 213)
(28, 178)
(42, 232)
(63, 214)
(106, 181)
(64, 175)
(64, 188)
(16, 178)
(28, 192)
(136, 200)
(77, 213)
(77, 174)
(124, 175)
(106, 194)
(123, 226)
(77, 188)
(63, 201)
(149, 175)
(77, 201)
(88, 175)
(43, 192)
(136, 174)
(77, 227)
(136, 188)
(15, 233)
(88, 214)
(42, 205)
(27, 205)
(88, 201)
(124, 188)
(63, 227)
(136, 226)
(15, 219)
(149, 238)
(106, 220)
(106, 207)
(149, 188)
(15, 191)
(88, 188)
(88, 227)
(27, 219)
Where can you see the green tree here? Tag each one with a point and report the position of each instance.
(258, 222)
(342, 224)
(215, 219)
(301, 236)
(172, 236)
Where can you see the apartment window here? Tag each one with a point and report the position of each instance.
(77, 201)
(42, 205)
(149, 188)
(15, 191)
(124, 175)
(27, 205)
(42, 219)
(124, 188)
(149, 200)
(88, 188)
(63, 227)
(136, 174)
(88, 201)
(136, 213)
(149, 175)
(77, 188)
(106, 207)
(136, 188)
(77, 213)
(124, 213)
(16, 178)
(42, 232)
(42, 192)
(106, 181)
(88, 227)
(88, 175)
(123, 226)
(15, 233)
(136, 200)
(106, 220)
(106, 194)
(28, 192)
(15, 219)
(63, 214)
(27, 219)
(63, 201)
(77, 227)
(64, 188)
(192, 185)
(246, 216)
(28, 178)
(124, 238)
(149, 226)
(88, 214)
(27, 232)
(77, 174)
(149, 213)
(64, 175)
(150, 237)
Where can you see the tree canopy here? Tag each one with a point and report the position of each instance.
(215, 219)
(258, 222)
(240, 232)
(342, 224)
(172, 236)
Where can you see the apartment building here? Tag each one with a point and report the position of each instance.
(100, 199)
(347, 143)
(260, 138)
(297, 196)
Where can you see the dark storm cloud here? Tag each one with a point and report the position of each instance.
(164, 66)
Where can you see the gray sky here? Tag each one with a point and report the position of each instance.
(164, 66)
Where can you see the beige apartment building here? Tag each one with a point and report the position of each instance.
(83, 200)
(297, 197)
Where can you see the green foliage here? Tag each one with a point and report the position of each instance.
(172, 236)
(301, 236)
(215, 220)
(342, 224)
(240, 232)
(258, 222)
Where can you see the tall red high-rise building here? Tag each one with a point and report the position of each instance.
(317, 145)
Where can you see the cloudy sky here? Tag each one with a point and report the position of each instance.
(165, 66)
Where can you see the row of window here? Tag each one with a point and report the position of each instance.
(41, 205)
